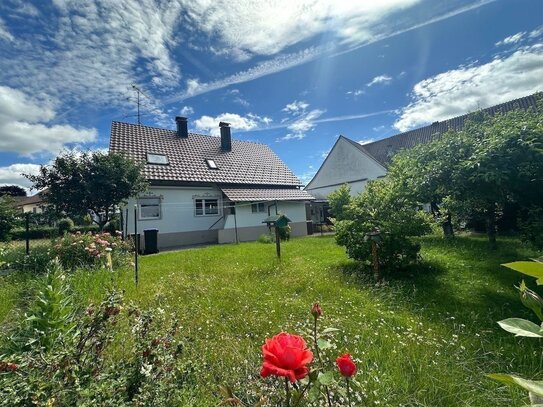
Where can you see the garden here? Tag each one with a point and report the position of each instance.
(413, 302)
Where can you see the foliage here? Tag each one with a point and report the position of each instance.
(64, 358)
(65, 225)
(525, 328)
(8, 217)
(12, 190)
(47, 232)
(384, 211)
(284, 232)
(339, 202)
(100, 250)
(265, 238)
(76, 183)
(474, 172)
(531, 226)
(113, 226)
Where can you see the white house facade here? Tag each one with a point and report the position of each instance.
(206, 189)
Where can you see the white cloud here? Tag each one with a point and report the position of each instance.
(210, 124)
(13, 174)
(186, 111)
(366, 141)
(4, 33)
(356, 92)
(267, 28)
(304, 122)
(466, 89)
(24, 129)
(295, 107)
(381, 79)
(512, 39)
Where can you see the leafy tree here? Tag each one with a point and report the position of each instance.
(339, 201)
(75, 184)
(12, 190)
(382, 217)
(474, 172)
(8, 216)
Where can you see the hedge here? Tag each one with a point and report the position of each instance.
(47, 232)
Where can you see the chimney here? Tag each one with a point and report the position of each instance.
(182, 129)
(226, 137)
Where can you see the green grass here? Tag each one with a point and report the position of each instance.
(426, 338)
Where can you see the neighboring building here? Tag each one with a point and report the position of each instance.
(355, 164)
(206, 189)
(34, 204)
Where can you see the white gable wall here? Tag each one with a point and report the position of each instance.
(344, 164)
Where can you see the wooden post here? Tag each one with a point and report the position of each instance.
(136, 243)
(375, 257)
(27, 234)
(277, 242)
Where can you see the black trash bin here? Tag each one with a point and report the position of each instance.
(151, 241)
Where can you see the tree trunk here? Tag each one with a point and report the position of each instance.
(447, 226)
(375, 258)
(491, 226)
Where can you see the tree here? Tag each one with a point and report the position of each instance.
(8, 216)
(339, 201)
(474, 172)
(76, 184)
(12, 190)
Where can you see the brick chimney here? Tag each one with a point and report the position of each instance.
(182, 128)
(226, 137)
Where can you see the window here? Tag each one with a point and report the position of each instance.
(149, 208)
(258, 207)
(206, 206)
(157, 159)
(211, 164)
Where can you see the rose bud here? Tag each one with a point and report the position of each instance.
(345, 365)
(11, 366)
(316, 310)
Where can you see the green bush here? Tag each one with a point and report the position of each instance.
(8, 217)
(47, 232)
(113, 226)
(381, 214)
(60, 355)
(65, 225)
(265, 238)
(284, 232)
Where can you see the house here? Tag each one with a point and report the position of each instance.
(354, 164)
(34, 204)
(206, 189)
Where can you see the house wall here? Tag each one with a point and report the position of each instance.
(250, 226)
(344, 164)
(178, 224)
(34, 208)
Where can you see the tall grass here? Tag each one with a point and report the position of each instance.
(426, 338)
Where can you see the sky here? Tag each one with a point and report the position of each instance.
(293, 74)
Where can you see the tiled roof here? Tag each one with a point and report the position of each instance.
(247, 163)
(267, 194)
(382, 150)
(34, 199)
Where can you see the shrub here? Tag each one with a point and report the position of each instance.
(90, 251)
(265, 238)
(15, 258)
(382, 216)
(47, 232)
(339, 202)
(284, 232)
(65, 225)
(531, 227)
(69, 360)
(112, 226)
(8, 217)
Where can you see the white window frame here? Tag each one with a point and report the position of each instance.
(149, 161)
(143, 198)
(204, 199)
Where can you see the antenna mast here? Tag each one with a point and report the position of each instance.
(138, 93)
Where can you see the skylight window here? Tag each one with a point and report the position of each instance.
(211, 164)
(157, 159)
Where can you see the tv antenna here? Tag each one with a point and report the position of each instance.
(139, 93)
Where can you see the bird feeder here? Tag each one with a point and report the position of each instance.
(277, 221)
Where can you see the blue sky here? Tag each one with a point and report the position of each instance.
(291, 74)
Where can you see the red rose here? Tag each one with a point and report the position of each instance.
(346, 366)
(316, 310)
(287, 356)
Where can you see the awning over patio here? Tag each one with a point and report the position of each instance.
(266, 194)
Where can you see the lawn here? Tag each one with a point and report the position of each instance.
(426, 338)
